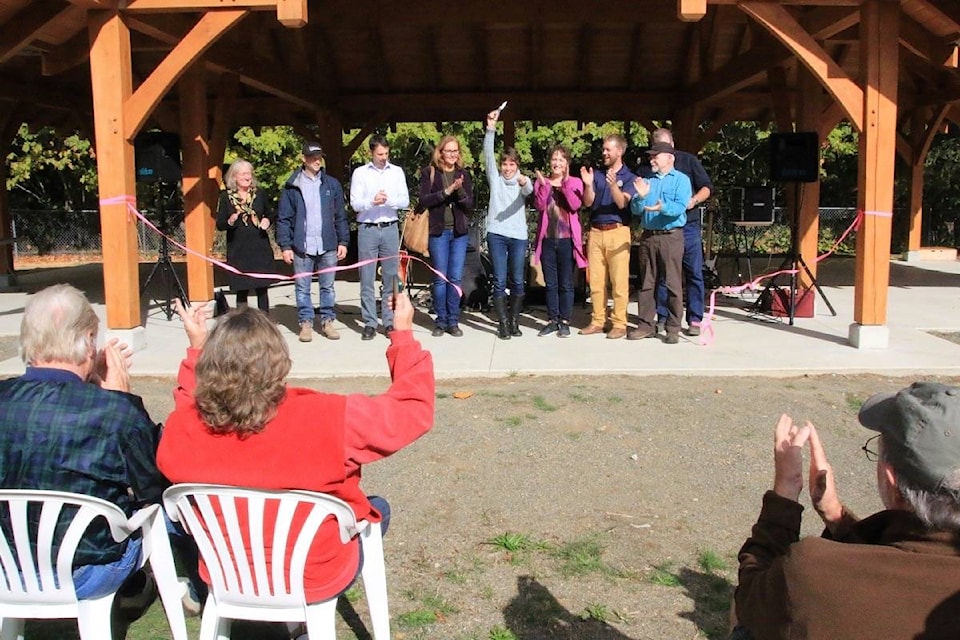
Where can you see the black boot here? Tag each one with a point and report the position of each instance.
(516, 304)
(503, 322)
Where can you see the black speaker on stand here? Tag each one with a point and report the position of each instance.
(157, 157)
(794, 157)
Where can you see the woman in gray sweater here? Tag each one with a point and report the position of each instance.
(506, 229)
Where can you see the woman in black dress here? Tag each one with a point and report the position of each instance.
(243, 215)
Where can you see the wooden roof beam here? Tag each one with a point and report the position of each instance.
(254, 72)
(201, 37)
(22, 29)
(535, 54)
(781, 23)
(69, 55)
(482, 57)
(290, 13)
(691, 10)
(919, 42)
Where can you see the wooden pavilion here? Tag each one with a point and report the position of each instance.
(114, 68)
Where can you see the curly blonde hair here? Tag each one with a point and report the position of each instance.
(241, 374)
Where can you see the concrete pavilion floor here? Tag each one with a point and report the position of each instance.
(923, 297)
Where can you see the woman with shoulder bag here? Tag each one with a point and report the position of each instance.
(446, 191)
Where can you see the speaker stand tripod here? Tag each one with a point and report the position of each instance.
(164, 265)
(794, 261)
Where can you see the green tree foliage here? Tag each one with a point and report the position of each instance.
(47, 170)
(941, 192)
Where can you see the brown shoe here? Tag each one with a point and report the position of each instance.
(306, 331)
(640, 334)
(328, 331)
(616, 333)
(672, 338)
(589, 330)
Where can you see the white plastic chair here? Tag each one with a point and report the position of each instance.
(242, 592)
(39, 584)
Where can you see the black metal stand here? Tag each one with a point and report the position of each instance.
(795, 262)
(164, 265)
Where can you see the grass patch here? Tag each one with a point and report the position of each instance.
(711, 561)
(596, 611)
(513, 421)
(853, 402)
(433, 608)
(664, 576)
(442, 394)
(500, 632)
(581, 557)
(615, 399)
(513, 542)
(353, 594)
(541, 403)
(579, 397)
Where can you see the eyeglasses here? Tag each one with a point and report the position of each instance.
(870, 449)
(450, 151)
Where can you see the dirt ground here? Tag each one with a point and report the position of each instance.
(589, 507)
(606, 508)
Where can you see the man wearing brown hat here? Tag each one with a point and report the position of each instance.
(661, 204)
(894, 575)
(313, 234)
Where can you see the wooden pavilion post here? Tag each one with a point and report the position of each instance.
(808, 225)
(331, 139)
(199, 190)
(8, 129)
(922, 132)
(111, 80)
(879, 29)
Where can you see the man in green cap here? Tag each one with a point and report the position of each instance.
(893, 575)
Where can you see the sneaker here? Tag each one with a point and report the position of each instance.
(387, 330)
(551, 327)
(328, 331)
(306, 331)
(563, 331)
(616, 333)
(672, 338)
(368, 333)
(192, 607)
(640, 334)
(437, 332)
(455, 331)
(590, 330)
(693, 330)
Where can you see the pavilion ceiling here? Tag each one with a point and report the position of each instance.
(392, 61)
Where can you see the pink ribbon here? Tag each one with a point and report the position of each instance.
(131, 201)
(707, 335)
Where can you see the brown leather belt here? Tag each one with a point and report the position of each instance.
(608, 226)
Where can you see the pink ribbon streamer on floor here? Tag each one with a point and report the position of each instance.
(707, 334)
(131, 203)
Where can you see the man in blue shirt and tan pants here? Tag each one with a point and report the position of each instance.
(661, 205)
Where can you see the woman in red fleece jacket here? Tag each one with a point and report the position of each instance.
(236, 422)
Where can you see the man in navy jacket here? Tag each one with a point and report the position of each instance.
(313, 234)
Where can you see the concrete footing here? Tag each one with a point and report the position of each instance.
(872, 336)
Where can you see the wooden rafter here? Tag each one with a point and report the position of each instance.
(256, 72)
(918, 41)
(779, 22)
(691, 10)
(69, 55)
(535, 55)
(635, 67)
(21, 31)
(481, 56)
(207, 30)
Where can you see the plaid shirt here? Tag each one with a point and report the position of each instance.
(60, 433)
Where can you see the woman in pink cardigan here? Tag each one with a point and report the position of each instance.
(559, 239)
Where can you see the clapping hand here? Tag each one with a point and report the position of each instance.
(112, 366)
(788, 442)
(194, 320)
(586, 174)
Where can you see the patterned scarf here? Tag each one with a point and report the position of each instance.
(244, 206)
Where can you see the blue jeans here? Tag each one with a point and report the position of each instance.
(692, 277)
(308, 264)
(377, 242)
(508, 257)
(447, 254)
(97, 580)
(556, 260)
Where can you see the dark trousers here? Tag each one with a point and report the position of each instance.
(692, 276)
(556, 260)
(263, 299)
(661, 255)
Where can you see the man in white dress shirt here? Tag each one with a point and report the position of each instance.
(378, 190)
